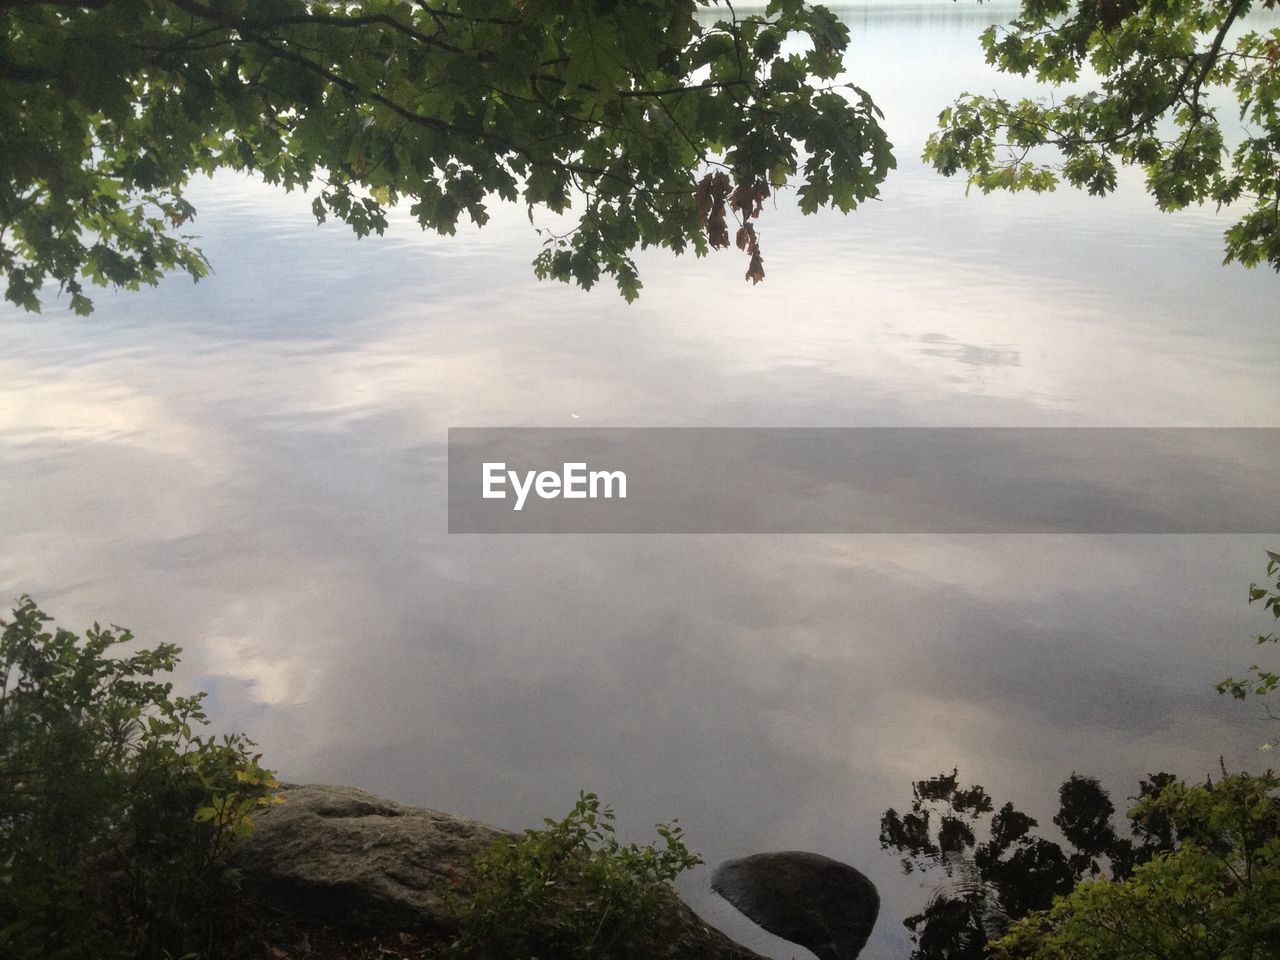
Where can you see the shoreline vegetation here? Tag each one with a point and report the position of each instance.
(129, 831)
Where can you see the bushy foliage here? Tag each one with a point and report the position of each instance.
(1217, 897)
(993, 869)
(116, 812)
(1156, 64)
(571, 891)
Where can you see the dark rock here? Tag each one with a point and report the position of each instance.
(819, 903)
(341, 857)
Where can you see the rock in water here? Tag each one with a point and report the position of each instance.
(819, 903)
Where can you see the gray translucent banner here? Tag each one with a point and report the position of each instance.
(864, 480)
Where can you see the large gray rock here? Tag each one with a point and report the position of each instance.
(819, 903)
(338, 854)
(343, 857)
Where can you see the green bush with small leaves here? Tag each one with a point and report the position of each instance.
(117, 813)
(571, 891)
(1261, 681)
(1217, 897)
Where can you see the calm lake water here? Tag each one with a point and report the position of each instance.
(253, 467)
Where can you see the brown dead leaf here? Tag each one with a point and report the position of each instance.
(702, 198)
(748, 199)
(718, 229)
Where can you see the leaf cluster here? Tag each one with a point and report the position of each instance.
(1155, 64)
(571, 890)
(1260, 681)
(607, 112)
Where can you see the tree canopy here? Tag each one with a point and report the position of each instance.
(654, 127)
(1148, 106)
(649, 123)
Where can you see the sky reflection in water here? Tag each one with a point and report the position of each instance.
(254, 467)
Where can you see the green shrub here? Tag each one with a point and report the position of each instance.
(571, 891)
(1217, 897)
(116, 813)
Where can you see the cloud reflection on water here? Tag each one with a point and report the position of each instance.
(254, 468)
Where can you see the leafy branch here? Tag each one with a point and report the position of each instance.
(611, 112)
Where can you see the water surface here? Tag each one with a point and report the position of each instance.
(253, 467)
